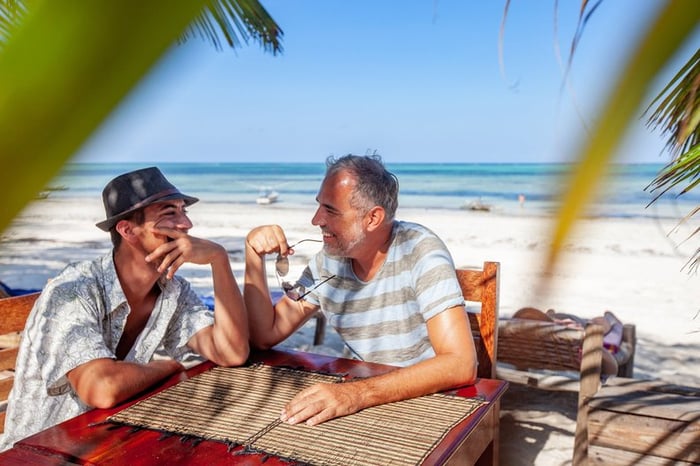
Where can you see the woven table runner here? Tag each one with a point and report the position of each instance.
(241, 406)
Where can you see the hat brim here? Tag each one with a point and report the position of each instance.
(109, 223)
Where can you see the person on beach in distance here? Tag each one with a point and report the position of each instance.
(91, 337)
(388, 287)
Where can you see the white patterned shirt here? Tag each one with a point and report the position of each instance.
(80, 316)
(384, 319)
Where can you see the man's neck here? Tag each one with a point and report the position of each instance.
(136, 276)
(373, 253)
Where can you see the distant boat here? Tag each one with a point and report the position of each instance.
(267, 196)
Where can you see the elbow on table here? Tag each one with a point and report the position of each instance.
(233, 358)
(263, 340)
(261, 345)
(467, 373)
(470, 377)
(102, 396)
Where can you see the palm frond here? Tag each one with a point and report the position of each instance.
(67, 64)
(11, 14)
(672, 26)
(684, 168)
(678, 108)
(677, 115)
(237, 22)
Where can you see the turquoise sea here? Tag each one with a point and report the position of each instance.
(422, 185)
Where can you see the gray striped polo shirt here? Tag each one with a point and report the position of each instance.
(384, 320)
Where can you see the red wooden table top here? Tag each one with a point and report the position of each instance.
(88, 439)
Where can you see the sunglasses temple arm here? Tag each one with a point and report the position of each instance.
(315, 286)
(303, 240)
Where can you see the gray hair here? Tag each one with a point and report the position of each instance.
(375, 184)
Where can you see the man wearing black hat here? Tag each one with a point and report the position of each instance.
(91, 337)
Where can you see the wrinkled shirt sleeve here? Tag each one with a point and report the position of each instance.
(76, 337)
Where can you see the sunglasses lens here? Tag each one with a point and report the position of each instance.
(282, 265)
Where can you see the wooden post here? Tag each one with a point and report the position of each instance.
(591, 361)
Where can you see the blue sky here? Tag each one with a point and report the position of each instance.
(417, 81)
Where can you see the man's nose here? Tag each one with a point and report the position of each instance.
(317, 219)
(184, 222)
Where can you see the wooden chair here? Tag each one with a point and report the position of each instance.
(13, 316)
(482, 286)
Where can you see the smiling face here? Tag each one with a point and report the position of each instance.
(168, 214)
(342, 223)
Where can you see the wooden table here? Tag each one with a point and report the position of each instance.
(86, 439)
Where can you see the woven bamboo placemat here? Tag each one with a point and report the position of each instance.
(241, 406)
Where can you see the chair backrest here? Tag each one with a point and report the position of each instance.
(13, 316)
(482, 285)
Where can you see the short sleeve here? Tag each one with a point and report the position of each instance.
(76, 336)
(436, 285)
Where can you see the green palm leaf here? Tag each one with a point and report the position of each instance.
(65, 65)
(678, 114)
(236, 21)
(675, 23)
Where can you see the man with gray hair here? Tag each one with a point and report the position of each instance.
(388, 287)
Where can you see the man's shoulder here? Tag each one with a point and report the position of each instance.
(86, 269)
(408, 228)
(412, 234)
(81, 278)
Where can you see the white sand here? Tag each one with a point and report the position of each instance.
(628, 266)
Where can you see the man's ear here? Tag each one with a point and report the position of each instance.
(375, 218)
(125, 228)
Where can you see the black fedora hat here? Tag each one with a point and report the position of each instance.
(135, 190)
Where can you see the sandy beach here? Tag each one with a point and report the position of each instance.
(626, 265)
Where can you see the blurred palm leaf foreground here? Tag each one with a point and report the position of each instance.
(64, 66)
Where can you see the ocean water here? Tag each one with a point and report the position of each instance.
(422, 185)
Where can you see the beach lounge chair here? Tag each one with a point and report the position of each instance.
(549, 355)
(13, 316)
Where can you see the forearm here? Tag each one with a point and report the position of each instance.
(322, 402)
(262, 319)
(268, 324)
(226, 343)
(230, 331)
(105, 383)
(443, 372)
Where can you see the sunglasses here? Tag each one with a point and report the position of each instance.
(296, 291)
